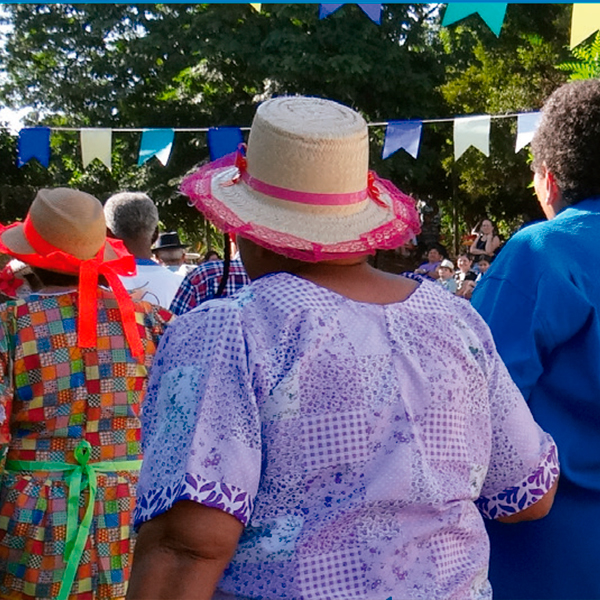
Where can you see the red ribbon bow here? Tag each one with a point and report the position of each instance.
(9, 282)
(52, 258)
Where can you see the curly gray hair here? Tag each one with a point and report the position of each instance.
(131, 215)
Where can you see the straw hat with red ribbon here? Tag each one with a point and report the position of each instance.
(303, 187)
(65, 231)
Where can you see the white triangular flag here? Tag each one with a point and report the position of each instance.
(96, 143)
(471, 131)
(526, 126)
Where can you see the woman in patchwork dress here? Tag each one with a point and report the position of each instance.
(74, 360)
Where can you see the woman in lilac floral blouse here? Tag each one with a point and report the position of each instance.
(310, 437)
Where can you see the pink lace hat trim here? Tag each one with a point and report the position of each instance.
(403, 223)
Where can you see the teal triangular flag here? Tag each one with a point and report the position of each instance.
(156, 142)
(491, 12)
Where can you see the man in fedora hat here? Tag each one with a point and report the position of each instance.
(170, 252)
(133, 218)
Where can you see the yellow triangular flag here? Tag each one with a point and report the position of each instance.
(585, 21)
(96, 143)
(256, 7)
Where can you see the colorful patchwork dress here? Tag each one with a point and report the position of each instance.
(71, 446)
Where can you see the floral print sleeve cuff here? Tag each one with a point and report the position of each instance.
(519, 497)
(227, 498)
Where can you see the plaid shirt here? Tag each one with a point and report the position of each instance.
(202, 284)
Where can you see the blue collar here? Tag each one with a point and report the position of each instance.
(146, 261)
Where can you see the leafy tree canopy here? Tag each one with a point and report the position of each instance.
(202, 65)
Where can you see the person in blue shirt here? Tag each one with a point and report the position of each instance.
(541, 299)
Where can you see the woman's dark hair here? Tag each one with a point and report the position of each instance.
(441, 249)
(568, 137)
(209, 254)
(480, 223)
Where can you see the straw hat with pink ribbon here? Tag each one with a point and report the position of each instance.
(302, 188)
(65, 231)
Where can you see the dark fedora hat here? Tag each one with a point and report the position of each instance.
(168, 240)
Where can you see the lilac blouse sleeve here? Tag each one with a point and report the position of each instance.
(200, 423)
(523, 462)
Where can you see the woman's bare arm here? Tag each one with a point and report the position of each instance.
(491, 245)
(182, 553)
(536, 511)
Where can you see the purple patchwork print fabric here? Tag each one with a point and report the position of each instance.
(193, 487)
(354, 441)
(520, 497)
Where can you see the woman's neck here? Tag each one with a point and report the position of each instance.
(358, 281)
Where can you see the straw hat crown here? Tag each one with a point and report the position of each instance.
(304, 188)
(70, 220)
(309, 145)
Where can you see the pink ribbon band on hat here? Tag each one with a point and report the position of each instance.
(303, 197)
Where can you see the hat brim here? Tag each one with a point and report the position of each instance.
(169, 247)
(14, 243)
(310, 233)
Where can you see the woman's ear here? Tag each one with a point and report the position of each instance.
(553, 191)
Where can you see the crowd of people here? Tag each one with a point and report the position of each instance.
(459, 279)
(289, 422)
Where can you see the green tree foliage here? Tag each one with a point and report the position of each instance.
(202, 65)
(513, 73)
(587, 61)
(207, 65)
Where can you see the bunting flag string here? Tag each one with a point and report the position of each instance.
(492, 13)
(373, 11)
(223, 140)
(471, 131)
(526, 125)
(34, 142)
(402, 135)
(156, 142)
(96, 143)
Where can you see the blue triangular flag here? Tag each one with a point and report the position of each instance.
(326, 9)
(156, 142)
(223, 140)
(373, 11)
(491, 12)
(402, 134)
(34, 142)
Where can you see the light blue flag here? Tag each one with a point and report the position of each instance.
(34, 142)
(156, 142)
(373, 11)
(402, 134)
(491, 12)
(526, 125)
